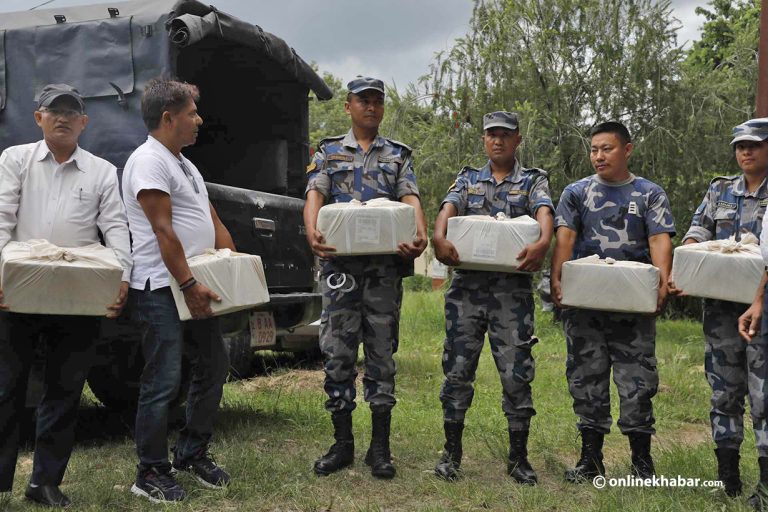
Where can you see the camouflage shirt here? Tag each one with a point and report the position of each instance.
(728, 209)
(522, 192)
(614, 220)
(342, 171)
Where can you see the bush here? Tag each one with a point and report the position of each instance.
(417, 283)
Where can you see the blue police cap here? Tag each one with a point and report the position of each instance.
(362, 83)
(500, 119)
(754, 130)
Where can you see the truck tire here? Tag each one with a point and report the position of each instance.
(240, 354)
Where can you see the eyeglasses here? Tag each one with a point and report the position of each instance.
(190, 177)
(62, 112)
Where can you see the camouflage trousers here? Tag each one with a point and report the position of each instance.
(368, 312)
(734, 369)
(502, 305)
(598, 341)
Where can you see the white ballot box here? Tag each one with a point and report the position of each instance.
(610, 285)
(372, 227)
(40, 277)
(491, 243)
(719, 269)
(235, 277)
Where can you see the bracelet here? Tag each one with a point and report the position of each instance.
(189, 283)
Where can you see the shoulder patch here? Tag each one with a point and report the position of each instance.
(536, 170)
(724, 178)
(311, 167)
(330, 139)
(339, 157)
(398, 143)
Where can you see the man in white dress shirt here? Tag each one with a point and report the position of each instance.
(54, 190)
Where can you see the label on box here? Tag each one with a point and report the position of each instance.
(485, 245)
(367, 229)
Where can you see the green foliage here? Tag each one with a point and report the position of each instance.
(417, 283)
(327, 118)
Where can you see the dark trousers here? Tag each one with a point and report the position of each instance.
(162, 343)
(69, 341)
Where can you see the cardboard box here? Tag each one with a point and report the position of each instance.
(40, 277)
(610, 285)
(702, 270)
(487, 243)
(235, 277)
(372, 227)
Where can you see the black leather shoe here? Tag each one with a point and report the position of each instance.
(48, 495)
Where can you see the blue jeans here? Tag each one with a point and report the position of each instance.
(69, 342)
(163, 339)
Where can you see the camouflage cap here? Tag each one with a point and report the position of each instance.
(52, 92)
(500, 119)
(362, 83)
(754, 130)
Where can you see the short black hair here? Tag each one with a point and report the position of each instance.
(163, 94)
(613, 127)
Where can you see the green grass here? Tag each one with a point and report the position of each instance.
(271, 429)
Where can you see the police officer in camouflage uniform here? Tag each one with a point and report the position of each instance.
(361, 294)
(612, 214)
(732, 207)
(499, 303)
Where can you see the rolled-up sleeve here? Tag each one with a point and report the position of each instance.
(703, 223)
(539, 195)
(317, 175)
(457, 194)
(406, 179)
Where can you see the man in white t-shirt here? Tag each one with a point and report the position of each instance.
(171, 219)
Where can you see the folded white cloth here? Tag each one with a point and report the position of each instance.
(235, 277)
(363, 228)
(610, 285)
(40, 277)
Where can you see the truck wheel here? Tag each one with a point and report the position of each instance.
(240, 354)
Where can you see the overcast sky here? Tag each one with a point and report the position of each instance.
(394, 40)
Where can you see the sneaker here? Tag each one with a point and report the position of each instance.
(158, 486)
(205, 470)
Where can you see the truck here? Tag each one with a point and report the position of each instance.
(252, 149)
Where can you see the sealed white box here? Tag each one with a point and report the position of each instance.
(719, 269)
(372, 227)
(610, 285)
(491, 243)
(40, 277)
(235, 277)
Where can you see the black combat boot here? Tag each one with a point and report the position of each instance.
(342, 453)
(642, 462)
(590, 464)
(379, 456)
(450, 461)
(518, 466)
(728, 470)
(759, 500)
